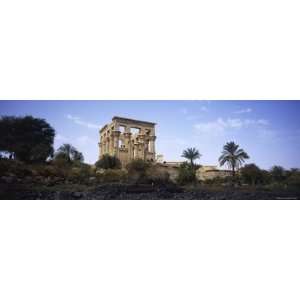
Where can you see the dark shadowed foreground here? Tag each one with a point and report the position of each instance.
(138, 192)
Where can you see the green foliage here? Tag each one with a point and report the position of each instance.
(232, 156)
(27, 139)
(157, 175)
(68, 154)
(138, 165)
(14, 167)
(186, 174)
(277, 173)
(251, 174)
(112, 175)
(137, 170)
(80, 173)
(108, 162)
(215, 181)
(294, 180)
(191, 154)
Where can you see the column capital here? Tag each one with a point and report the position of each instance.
(116, 133)
(127, 134)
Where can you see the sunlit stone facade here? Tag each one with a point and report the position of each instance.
(128, 139)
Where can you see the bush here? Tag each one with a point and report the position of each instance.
(137, 170)
(112, 175)
(155, 174)
(80, 173)
(45, 170)
(14, 167)
(215, 181)
(266, 177)
(277, 173)
(186, 174)
(294, 180)
(108, 162)
(251, 174)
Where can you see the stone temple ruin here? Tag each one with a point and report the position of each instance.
(128, 139)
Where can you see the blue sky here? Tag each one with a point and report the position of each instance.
(269, 131)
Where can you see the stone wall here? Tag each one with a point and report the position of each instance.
(210, 172)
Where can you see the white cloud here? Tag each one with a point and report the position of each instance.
(262, 122)
(78, 121)
(219, 126)
(60, 137)
(83, 140)
(192, 117)
(265, 133)
(243, 111)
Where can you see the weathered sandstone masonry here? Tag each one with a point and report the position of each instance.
(128, 139)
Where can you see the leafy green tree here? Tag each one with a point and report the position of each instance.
(233, 157)
(265, 177)
(251, 174)
(186, 174)
(108, 162)
(277, 173)
(69, 154)
(26, 138)
(191, 154)
(293, 179)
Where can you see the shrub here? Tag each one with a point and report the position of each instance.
(294, 180)
(251, 174)
(266, 177)
(277, 173)
(215, 181)
(14, 167)
(45, 170)
(112, 175)
(80, 173)
(137, 170)
(186, 174)
(108, 162)
(155, 174)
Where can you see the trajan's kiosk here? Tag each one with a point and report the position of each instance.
(128, 139)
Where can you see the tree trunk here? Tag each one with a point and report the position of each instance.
(233, 171)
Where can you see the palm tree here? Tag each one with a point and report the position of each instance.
(191, 154)
(232, 156)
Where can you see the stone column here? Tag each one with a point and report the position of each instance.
(107, 146)
(135, 151)
(111, 145)
(127, 142)
(115, 140)
(142, 152)
(152, 144)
